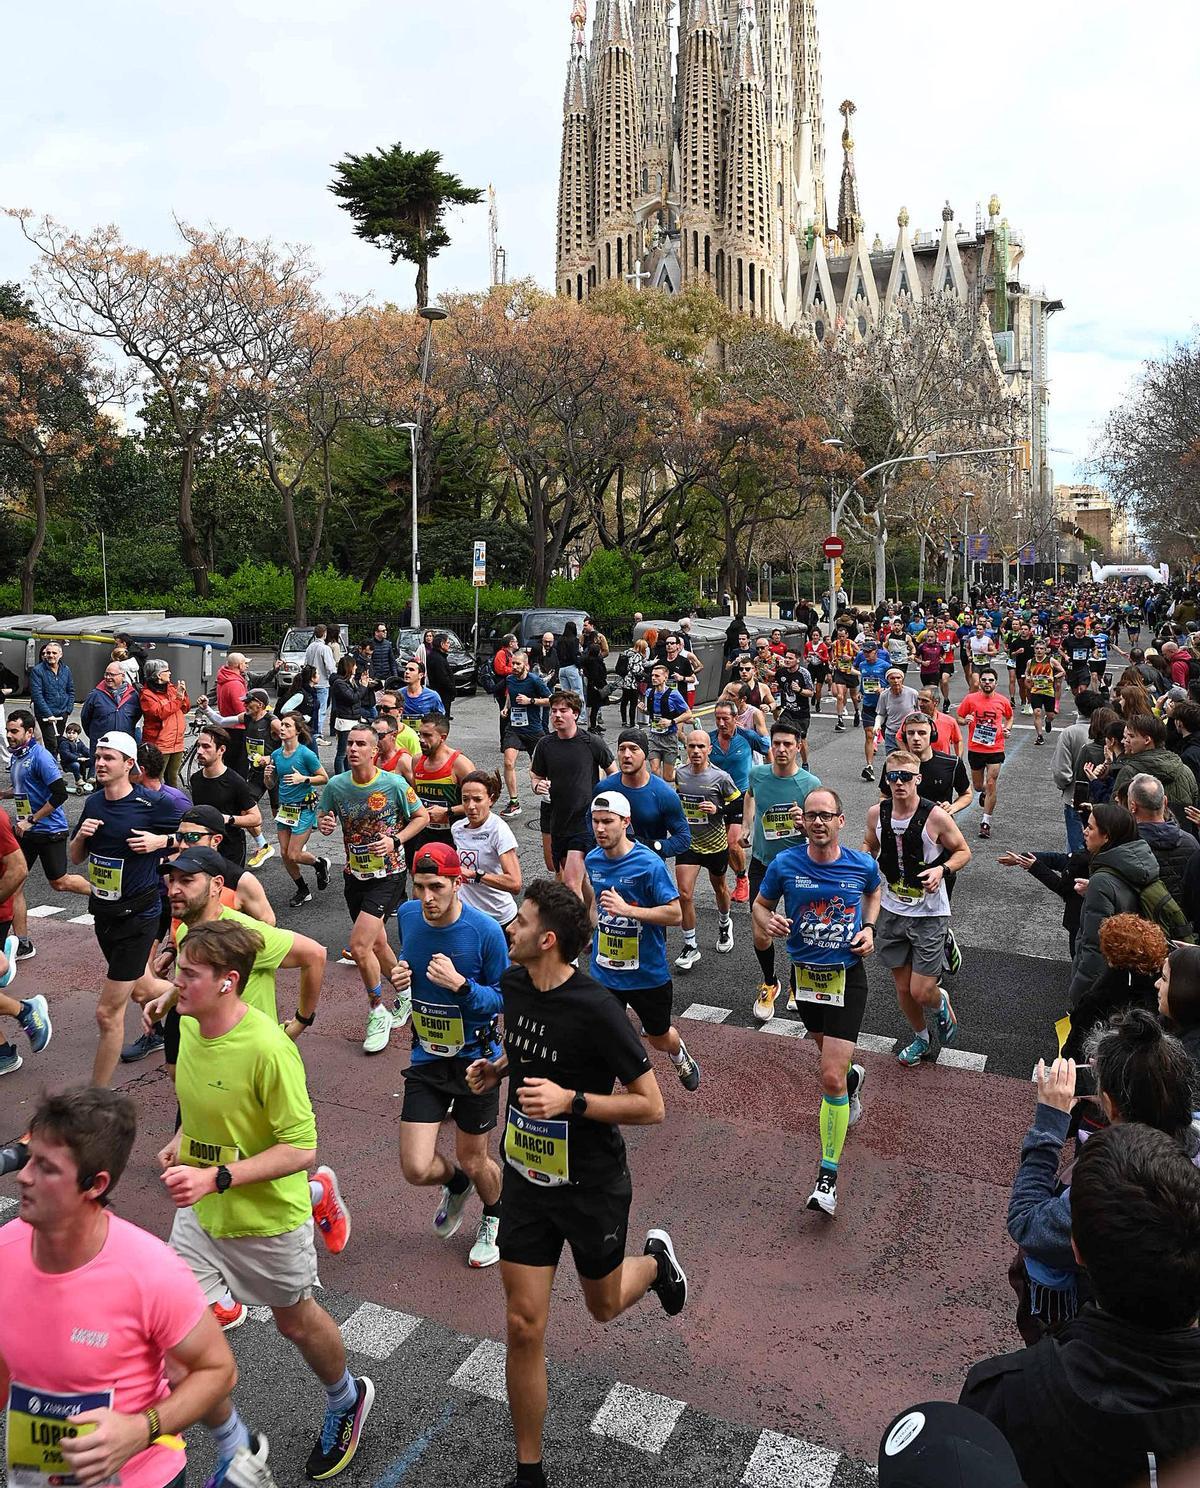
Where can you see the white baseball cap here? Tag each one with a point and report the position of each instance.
(124, 744)
(613, 801)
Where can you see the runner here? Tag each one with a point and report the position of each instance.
(928, 654)
(708, 795)
(845, 680)
(683, 668)
(917, 844)
(417, 700)
(1021, 649)
(872, 670)
(565, 768)
(567, 1042)
(733, 751)
(636, 901)
(437, 776)
(204, 826)
(981, 650)
(794, 689)
(296, 770)
(947, 736)
(831, 901)
(989, 718)
(1043, 678)
(527, 703)
(395, 747)
(666, 708)
(379, 813)
(215, 784)
(775, 799)
(235, 1171)
(896, 702)
(947, 636)
(944, 777)
(453, 959)
(816, 658)
(261, 731)
(487, 851)
(31, 1013)
(123, 832)
(657, 819)
(123, 1343)
(38, 792)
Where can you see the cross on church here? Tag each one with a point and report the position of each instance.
(638, 278)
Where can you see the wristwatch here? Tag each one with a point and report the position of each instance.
(224, 1178)
(868, 925)
(579, 1104)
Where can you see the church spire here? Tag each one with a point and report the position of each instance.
(575, 176)
(618, 142)
(749, 236)
(850, 219)
(653, 26)
(808, 101)
(700, 140)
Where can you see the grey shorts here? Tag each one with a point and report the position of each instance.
(260, 1270)
(664, 746)
(916, 940)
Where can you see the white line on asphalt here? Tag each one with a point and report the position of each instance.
(961, 1059)
(875, 1043)
(482, 1372)
(637, 1418)
(83, 919)
(783, 1462)
(785, 1028)
(703, 1013)
(44, 911)
(378, 1331)
(7, 1204)
(261, 1315)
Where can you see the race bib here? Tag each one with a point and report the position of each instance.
(439, 1028)
(906, 893)
(289, 814)
(24, 807)
(539, 1150)
(693, 810)
(984, 735)
(823, 984)
(660, 725)
(617, 943)
(197, 1154)
(39, 1421)
(366, 862)
(870, 685)
(777, 823)
(518, 717)
(105, 875)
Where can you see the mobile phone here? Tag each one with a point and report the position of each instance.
(1080, 794)
(1085, 1080)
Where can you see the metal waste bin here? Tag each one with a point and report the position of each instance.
(20, 645)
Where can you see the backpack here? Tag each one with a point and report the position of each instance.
(1157, 904)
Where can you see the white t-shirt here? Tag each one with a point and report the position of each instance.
(480, 849)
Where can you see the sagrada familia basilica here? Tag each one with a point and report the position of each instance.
(694, 153)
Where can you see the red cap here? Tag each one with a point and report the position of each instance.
(439, 858)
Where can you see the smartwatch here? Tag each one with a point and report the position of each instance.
(224, 1178)
(579, 1104)
(868, 925)
(302, 1020)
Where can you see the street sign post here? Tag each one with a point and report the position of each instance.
(479, 580)
(833, 547)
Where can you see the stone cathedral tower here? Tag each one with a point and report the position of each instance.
(693, 150)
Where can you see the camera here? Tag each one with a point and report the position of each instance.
(13, 1158)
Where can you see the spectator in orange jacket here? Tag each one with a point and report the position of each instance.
(164, 716)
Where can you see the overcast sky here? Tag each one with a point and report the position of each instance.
(1079, 113)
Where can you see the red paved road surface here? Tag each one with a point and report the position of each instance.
(817, 1328)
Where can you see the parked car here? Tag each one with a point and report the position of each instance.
(528, 626)
(462, 661)
(290, 654)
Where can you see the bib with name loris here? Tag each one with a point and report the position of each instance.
(39, 1421)
(439, 1027)
(539, 1150)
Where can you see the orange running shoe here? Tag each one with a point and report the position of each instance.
(229, 1317)
(741, 890)
(331, 1216)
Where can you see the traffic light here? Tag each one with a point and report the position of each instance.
(1025, 455)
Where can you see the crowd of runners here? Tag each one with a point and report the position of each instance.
(517, 994)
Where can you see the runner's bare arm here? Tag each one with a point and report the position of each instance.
(416, 824)
(772, 925)
(639, 1104)
(945, 832)
(187, 1184)
(310, 957)
(871, 833)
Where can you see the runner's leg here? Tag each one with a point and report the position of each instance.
(527, 1306)
(110, 1020)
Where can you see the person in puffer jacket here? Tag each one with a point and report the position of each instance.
(1121, 865)
(111, 707)
(164, 706)
(52, 693)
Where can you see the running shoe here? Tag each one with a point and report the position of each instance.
(1049, 725)
(345, 959)
(485, 1251)
(947, 1022)
(840, 726)
(982, 797)
(725, 936)
(10, 1060)
(824, 1196)
(741, 889)
(985, 829)
(1027, 708)
(687, 1069)
(671, 1287)
(868, 773)
(322, 873)
(793, 1005)
(764, 1003)
(1039, 739)
(856, 1098)
(340, 1435)
(143, 1047)
(34, 1018)
(513, 809)
(688, 957)
(247, 1468)
(302, 896)
(11, 948)
(449, 1210)
(379, 1030)
(230, 1317)
(401, 1009)
(260, 855)
(951, 955)
(330, 1214)
(26, 950)
(912, 1054)
(857, 721)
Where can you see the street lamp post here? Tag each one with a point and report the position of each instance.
(967, 497)
(428, 313)
(833, 521)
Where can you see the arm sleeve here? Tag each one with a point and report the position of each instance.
(1039, 1215)
(57, 791)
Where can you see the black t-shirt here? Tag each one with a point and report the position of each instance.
(579, 1036)
(230, 794)
(1021, 651)
(681, 672)
(790, 689)
(1078, 649)
(117, 873)
(573, 767)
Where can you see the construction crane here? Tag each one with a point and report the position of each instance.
(497, 255)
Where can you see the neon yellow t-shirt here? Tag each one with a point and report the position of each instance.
(239, 1095)
(259, 991)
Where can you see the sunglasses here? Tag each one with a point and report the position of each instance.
(191, 838)
(896, 777)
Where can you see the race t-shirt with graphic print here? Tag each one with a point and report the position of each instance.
(822, 900)
(381, 808)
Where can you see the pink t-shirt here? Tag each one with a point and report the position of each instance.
(105, 1326)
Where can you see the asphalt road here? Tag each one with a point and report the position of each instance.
(801, 1337)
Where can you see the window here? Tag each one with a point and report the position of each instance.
(707, 254)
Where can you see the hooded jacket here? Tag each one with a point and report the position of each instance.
(165, 715)
(1099, 1404)
(104, 712)
(1177, 780)
(1172, 848)
(231, 695)
(1107, 894)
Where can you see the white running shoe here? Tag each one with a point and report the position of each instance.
(379, 1030)
(449, 1210)
(401, 1010)
(485, 1251)
(688, 957)
(856, 1098)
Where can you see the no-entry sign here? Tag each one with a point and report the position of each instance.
(834, 547)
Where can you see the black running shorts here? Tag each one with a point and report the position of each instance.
(838, 1022)
(536, 1221)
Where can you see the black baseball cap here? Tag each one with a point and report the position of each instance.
(197, 860)
(938, 1445)
(207, 816)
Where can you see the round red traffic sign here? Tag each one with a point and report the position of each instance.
(834, 547)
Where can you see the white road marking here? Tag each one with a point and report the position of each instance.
(378, 1331)
(261, 1315)
(637, 1418)
(482, 1372)
(785, 1027)
(961, 1059)
(875, 1043)
(784, 1462)
(703, 1013)
(7, 1205)
(44, 911)
(83, 919)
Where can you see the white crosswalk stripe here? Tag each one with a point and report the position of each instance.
(637, 1417)
(482, 1372)
(378, 1331)
(704, 1013)
(83, 919)
(784, 1462)
(44, 911)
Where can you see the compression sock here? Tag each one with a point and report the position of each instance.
(459, 1182)
(230, 1436)
(834, 1119)
(342, 1394)
(375, 994)
(766, 959)
(530, 1475)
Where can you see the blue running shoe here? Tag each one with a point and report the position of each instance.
(947, 1023)
(11, 946)
(10, 1060)
(914, 1053)
(34, 1018)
